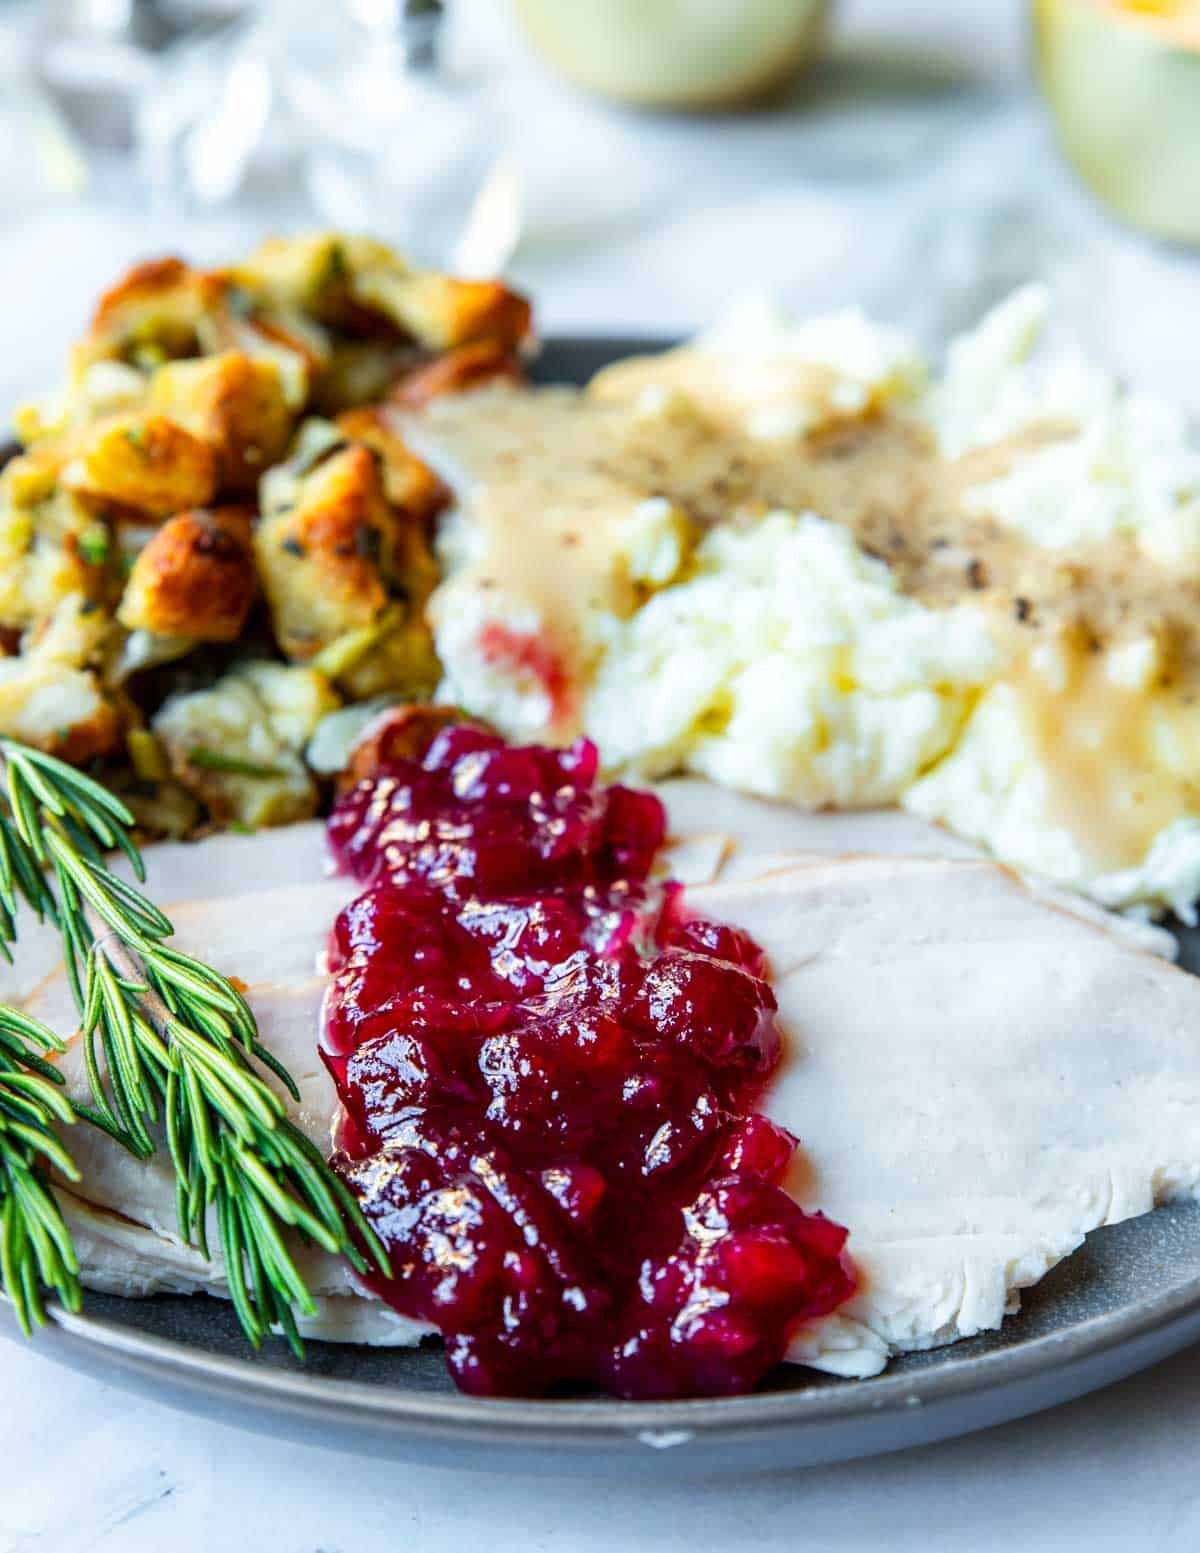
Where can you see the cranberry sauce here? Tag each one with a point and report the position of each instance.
(549, 1073)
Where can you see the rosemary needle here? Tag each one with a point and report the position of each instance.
(213, 760)
(172, 1054)
(36, 1253)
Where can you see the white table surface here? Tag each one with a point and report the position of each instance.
(919, 178)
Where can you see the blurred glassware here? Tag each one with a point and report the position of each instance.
(213, 121)
(342, 114)
(40, 156)
(98, 56)
(404, 144)
(677, 53)
(1122, 78)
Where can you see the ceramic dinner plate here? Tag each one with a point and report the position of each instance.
(1127, 1299)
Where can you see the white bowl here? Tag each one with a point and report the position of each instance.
(677, 53)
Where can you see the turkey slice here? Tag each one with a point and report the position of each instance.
(122, 1211)
(969, 1143)
(717, 834)
(714, 834)
(218, 867)
(977, 1078)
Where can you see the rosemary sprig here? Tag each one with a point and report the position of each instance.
(35, 1245)
(171, 1049)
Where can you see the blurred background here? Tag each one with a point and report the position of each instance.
(632, 163)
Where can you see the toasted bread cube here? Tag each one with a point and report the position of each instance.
(401, 659)
(52, 546)
(295, 271)
(195, 578)
(143, 286)
(359, 284)
(441, 312)
(236, 746)
(400, 656)
(58, 709)
(151, 314)
(30, 478)
(296, 699)
(100, 388)
(457, 372)
(297, 348)
(359, 372)
(346, 577)
(146, 462)
(323, 562)
(366, 253)
(50, 694)
(233, 403)
(408, 482)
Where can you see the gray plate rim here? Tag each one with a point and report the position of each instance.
(581, 1422)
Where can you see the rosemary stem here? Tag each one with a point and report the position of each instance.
(171, 1053)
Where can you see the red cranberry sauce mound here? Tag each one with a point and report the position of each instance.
(549, 1073)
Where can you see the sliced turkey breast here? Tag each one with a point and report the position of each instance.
(721, 835)
(978, 1075)
(122, 1211)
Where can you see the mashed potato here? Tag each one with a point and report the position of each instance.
(778, 376)
(1002, 786)
(1127, 465)
(785, 558)
(788, 664)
